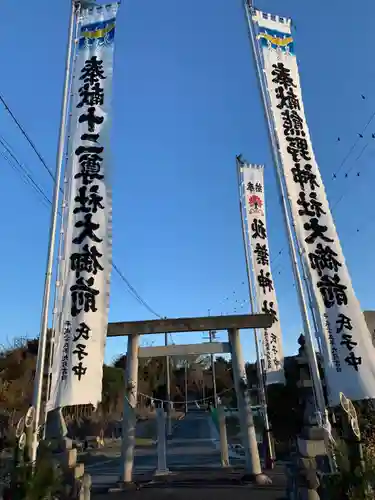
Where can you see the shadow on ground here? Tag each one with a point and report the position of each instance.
(200, 484)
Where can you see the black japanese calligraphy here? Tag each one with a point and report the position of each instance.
(343, 322)
(257, 188)
(86, 261)
(273, 339)
(333, 292)
(282, 76)
(90, 137)
(65, 350)
(89, 201)
(292, 124)
(86, 258)
(317, 231)
(353, 361)
(311, 207)
(324, 258)
(335, 354)
(89, 149)
(288, 99)
(91, 118)
(258, 228)
(88, 230)
(90, 168)
(267, 308)
(344, 325)
(91, 96)
(82, 332)
(298, 148)
(267, 349)
(83, 296)
(79, 370)
(304, 176)
(264, 281)
(80, 351)
(93, 71)
(261, 253)
(347, 341)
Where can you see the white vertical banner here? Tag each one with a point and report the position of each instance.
(348, 353)
(78, 354)
(264, 285)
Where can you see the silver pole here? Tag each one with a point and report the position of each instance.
(58, 294)
(55, 318)
(39, 372)
(168, 382)
(186, 386)
(317, 383)
(210, 334)
(262, 391)
(213, 373)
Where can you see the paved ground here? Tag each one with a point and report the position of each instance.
(218, 484)
(191, 445)
(193, 457)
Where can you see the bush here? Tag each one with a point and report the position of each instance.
(348, 484)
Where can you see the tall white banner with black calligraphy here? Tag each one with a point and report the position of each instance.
(348, 353)
(264, 286)
(78, 352)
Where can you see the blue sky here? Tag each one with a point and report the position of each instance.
(185, 103)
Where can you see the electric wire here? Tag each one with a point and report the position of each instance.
(40, 191)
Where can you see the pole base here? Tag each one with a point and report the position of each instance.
(162, 472)
(124, 486)
(259, 479)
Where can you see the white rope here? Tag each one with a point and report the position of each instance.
(184, 401)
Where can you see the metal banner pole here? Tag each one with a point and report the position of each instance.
(168, 383)
(186, 386)
(211, 335)
(214, 388)
(318, 389)
(262, 391)
(39, 372)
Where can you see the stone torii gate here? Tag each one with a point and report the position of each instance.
(233, 324)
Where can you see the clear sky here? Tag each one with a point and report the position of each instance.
(185, 103)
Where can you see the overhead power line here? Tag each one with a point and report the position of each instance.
(10, 156)
(27, 137)
(334, 175)
(353, 146)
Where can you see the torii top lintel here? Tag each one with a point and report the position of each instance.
(238, 321)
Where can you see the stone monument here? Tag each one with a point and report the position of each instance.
(310, 456)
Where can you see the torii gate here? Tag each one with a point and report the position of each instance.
(134, 329)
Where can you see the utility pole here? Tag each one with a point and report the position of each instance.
(168, 382)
